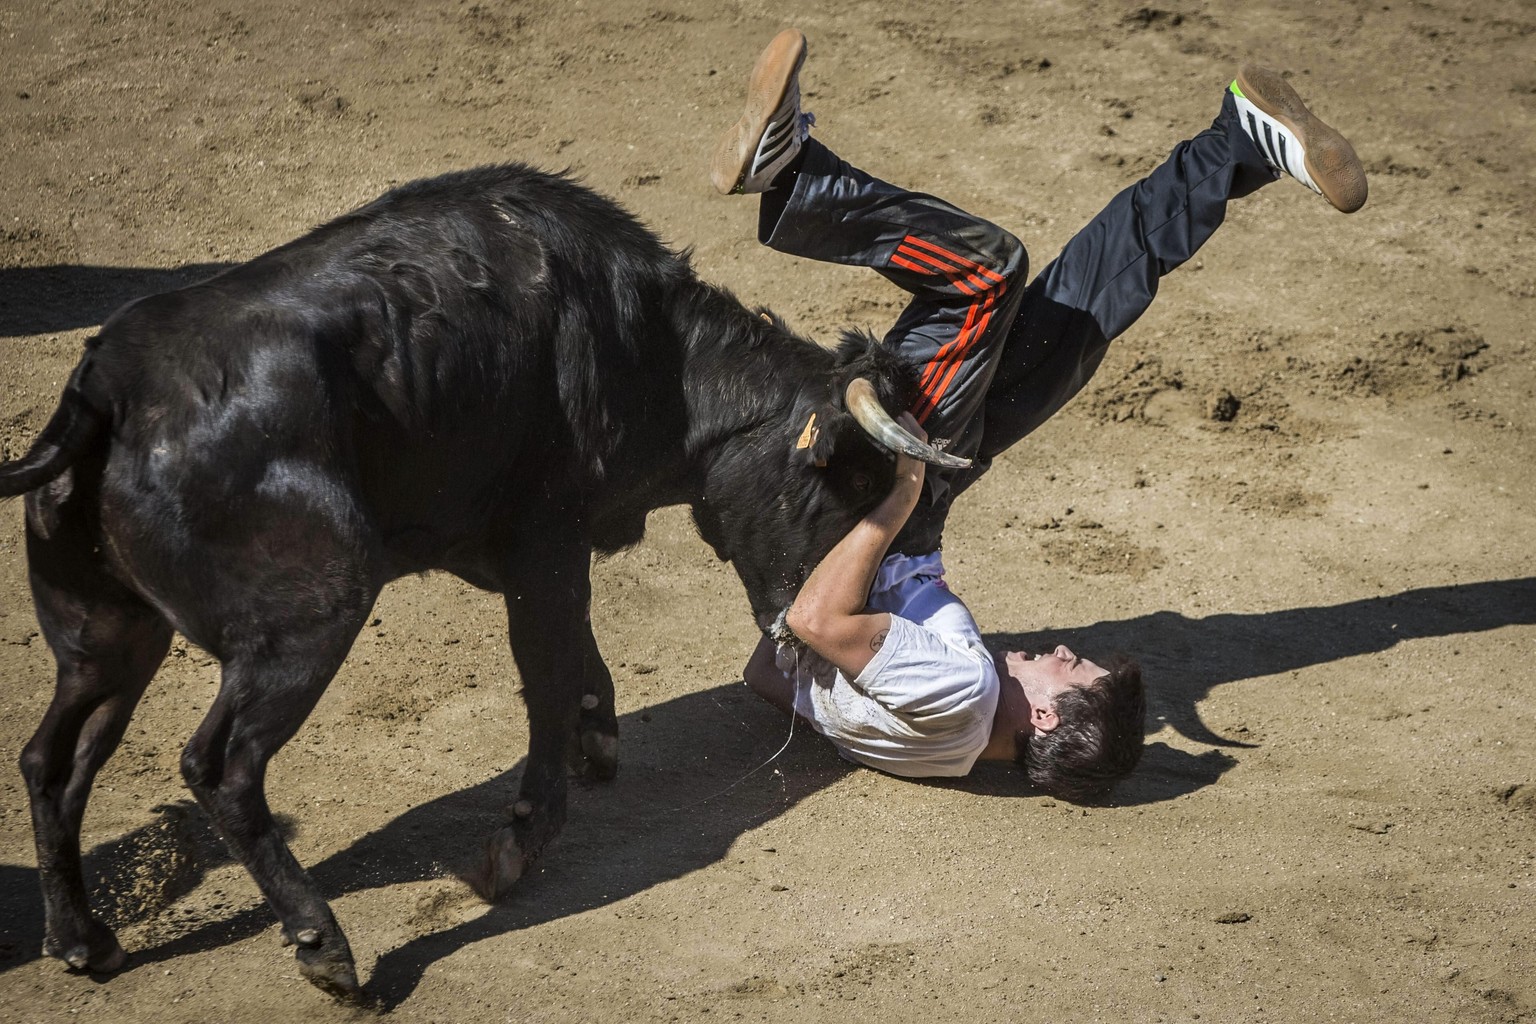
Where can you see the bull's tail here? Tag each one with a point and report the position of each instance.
(75, 424)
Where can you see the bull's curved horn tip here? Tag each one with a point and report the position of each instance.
(864, 405)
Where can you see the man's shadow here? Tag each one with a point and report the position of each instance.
(1185, 658)
(62, 297)
(699, 772)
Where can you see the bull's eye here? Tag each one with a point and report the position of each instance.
(861, 482)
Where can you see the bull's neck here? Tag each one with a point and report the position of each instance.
(742, 372)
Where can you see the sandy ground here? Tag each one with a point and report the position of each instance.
(1333, 589)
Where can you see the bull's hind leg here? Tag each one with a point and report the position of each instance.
(107, 644)
(268, 689)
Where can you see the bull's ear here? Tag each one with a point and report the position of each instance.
(829, 435)
(819, 434)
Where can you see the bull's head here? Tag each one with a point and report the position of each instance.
(777, 498)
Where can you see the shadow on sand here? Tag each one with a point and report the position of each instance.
(62, 297)
(666, 815)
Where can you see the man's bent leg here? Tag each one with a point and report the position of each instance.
(963, 273)
(961, 270)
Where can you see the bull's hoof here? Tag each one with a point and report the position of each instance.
(601, 752)
(331, 972)
(501, 865)
(98, 953)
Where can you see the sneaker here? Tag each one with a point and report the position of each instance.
(1296, 141)
(768, 136)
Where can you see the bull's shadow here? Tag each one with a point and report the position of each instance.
(688, 790)
(62, 297)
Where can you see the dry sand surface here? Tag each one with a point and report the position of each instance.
(1300, 489)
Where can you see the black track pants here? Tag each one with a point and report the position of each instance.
(1000, 358)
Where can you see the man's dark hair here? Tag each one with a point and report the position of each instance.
(1097, 740)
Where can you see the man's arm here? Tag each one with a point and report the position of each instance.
(830, 613)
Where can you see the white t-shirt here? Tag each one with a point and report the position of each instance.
(924, 706)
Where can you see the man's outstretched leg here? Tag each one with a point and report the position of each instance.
(1108, 274)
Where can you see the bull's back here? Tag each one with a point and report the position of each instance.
(403, 377)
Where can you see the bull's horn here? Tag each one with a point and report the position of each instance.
(865, 407)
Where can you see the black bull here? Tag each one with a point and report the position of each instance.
(492, 373)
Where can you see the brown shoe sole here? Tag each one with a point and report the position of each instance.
(1331, 160)
(775, 69)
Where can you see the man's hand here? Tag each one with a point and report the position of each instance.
(907, 485)
(909, 471)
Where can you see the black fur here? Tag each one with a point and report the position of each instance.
(493, 373)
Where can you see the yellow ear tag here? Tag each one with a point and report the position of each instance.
(809, 434)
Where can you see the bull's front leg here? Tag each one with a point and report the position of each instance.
(596, 746)
(547, 625)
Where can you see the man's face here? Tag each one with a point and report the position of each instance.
(1043, 676)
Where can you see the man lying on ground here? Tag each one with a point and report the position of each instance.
(997, 358)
